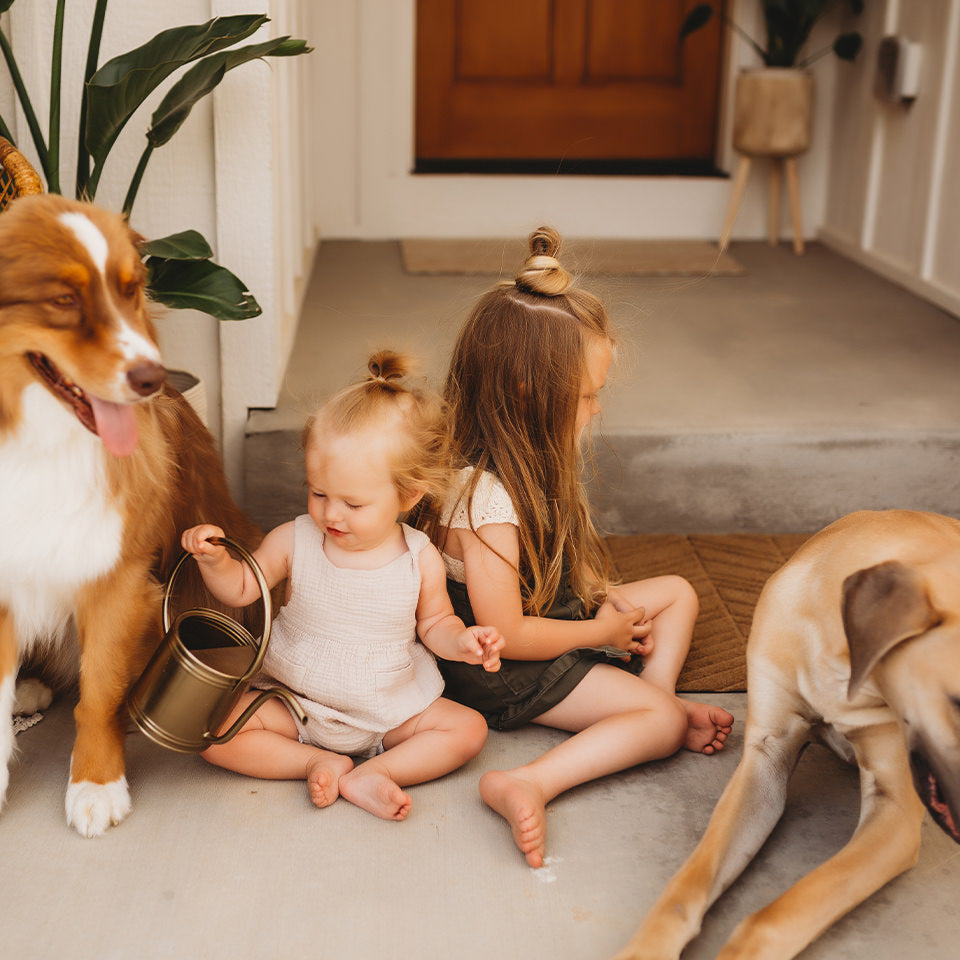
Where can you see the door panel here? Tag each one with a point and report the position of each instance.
(564, 80)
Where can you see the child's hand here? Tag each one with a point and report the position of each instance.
(196, 540)
(627, 626)
(482, 645)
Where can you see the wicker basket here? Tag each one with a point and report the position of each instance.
(17, 176)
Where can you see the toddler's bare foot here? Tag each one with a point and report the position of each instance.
(521, 804)
(374, 791)
(323, 777)
(707, 727)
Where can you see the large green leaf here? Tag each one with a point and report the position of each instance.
(121, 85)
(200, 285)
(5, 5)
(186, 245)
(847, 46)
(698, 17)
(198, 81)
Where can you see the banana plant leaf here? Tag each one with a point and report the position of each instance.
(186, 245)
(198, 81)
(200, 285)
(121, 85)
(5, 5)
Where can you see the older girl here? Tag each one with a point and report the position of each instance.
(521, 553)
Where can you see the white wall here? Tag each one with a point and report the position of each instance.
(234, 171)
(893, 185)
(365, 97)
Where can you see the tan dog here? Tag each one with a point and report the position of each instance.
(855, 640)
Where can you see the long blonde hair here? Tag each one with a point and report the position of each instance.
(513, 389)
(412, 417)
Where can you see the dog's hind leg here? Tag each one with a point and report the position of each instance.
(8, 680)
(747, 811)
(113, 618)
(31, 695)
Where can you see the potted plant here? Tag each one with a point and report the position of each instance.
(773, 105)
(181, 273)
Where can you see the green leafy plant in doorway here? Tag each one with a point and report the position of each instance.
(788, 24)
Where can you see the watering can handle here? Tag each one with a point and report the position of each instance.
(257, 572)
(252, 708)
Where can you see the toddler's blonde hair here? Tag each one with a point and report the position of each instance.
(411, 418)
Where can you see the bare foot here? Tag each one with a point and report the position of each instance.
(323, 777)
(707, 727)
(374, 791)
(521, 804)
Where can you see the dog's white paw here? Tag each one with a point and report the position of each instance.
(92, 807)
(31, 696)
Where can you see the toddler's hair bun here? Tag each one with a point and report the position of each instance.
(386, 366)
(541, 272)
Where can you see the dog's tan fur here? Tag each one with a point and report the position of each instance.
(58, 300)
(856, 638)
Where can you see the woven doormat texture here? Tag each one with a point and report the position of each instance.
(504, 257)
(728, 572)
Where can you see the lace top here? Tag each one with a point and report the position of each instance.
(491, 504)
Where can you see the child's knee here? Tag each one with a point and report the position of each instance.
(684, 594)
(473, 733)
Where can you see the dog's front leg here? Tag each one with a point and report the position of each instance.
(8, 681)
(747, 811)
(885, 843)
(114, 617)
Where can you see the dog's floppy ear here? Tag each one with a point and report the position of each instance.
(882, 606)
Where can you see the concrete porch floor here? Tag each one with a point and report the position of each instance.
(773, 401)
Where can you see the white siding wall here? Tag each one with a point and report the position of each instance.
(893, 189)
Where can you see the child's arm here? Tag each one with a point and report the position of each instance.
(441, 630)
(494, 589)
(227, 577)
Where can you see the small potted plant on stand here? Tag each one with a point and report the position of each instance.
(773, 104)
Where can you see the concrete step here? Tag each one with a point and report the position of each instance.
(777, 400)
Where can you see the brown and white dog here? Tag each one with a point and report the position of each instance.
(101, 467)
(856, 640)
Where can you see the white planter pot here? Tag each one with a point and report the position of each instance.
(772, 112)
(192, 389)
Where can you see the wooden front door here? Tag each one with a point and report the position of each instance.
(563, 82)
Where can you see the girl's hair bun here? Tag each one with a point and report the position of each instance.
(541, 272)
(386, 366)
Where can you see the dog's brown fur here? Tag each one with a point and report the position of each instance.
(55, 302)
(857, 639)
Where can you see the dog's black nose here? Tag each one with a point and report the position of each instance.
(147, 378)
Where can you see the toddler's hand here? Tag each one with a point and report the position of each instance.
(482, 645)
(627, 627)
(196, 540)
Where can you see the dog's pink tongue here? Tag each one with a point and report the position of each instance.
(116, 425)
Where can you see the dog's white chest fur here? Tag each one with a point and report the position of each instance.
(59, 528)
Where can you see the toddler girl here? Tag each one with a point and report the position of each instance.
(521, 553)
(361, 586)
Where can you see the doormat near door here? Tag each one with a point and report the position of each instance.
(728, 572)
(652, 258)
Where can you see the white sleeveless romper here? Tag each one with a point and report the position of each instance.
(346, 644)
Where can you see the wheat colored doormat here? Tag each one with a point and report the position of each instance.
(728, 572)
(504, 257)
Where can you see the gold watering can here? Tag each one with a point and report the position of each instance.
(200, 670)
